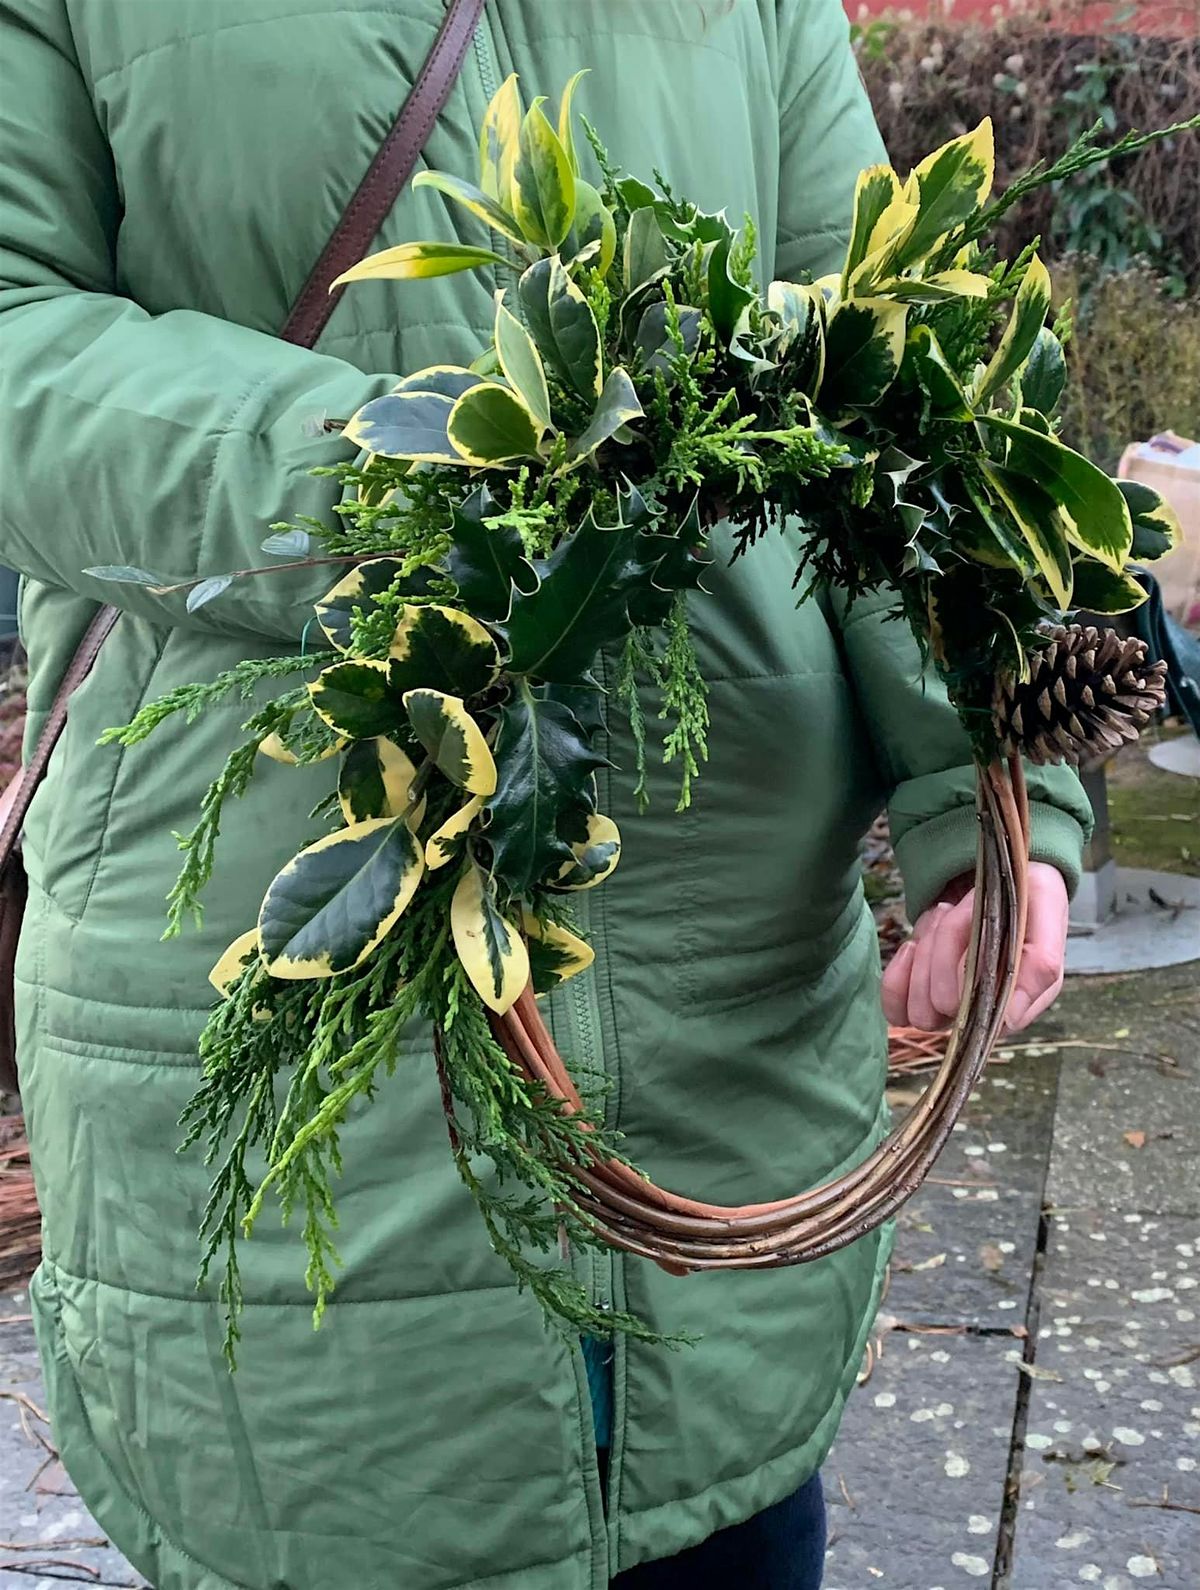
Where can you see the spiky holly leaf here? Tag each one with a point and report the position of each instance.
(583, 599)
(544, 771)
(485, 561)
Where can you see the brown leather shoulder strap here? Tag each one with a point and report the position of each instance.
(374, 197)
(387, 173)
(17, 797)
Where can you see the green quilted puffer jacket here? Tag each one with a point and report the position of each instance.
(168, 174)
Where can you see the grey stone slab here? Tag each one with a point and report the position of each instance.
(1155, 923)
(1113, 1427)
(1124, 1136)
(43, 1524)
(965, 1245)
(915, 1483)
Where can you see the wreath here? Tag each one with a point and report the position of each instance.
(507, 522)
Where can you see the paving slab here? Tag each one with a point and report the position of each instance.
(965, 1245)
(1110, 1473)
(915, 1483)
(47, 1536)
(1129, 1096)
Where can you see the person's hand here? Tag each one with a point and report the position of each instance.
(922, 987)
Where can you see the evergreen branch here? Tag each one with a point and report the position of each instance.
(238, 682)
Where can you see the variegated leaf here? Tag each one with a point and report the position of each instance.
(1026, 320)
(1096, 517)
(443, 842)
(596, 855)
(412, 420)
(543, 192)
(453, 739)
(555, 953)
(566, 135)
(618, 405)
(863, 348)
(375, 780)
(491, 425)
(491, 950)
(359, 591)
(521, 363)
(948, 187)
(499, 138)
(415, 261)
(562, 324)
(877, 189)
(334, 902)
(1156, 527)
(439, 648)
(1099, 590)
(233, 961)
(358, 699)
(473, 199)
(1041, 525)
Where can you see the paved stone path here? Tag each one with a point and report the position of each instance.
(1031, 1415)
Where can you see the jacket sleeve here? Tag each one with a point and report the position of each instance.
(168, 442)
(924, 759)
(827, 135)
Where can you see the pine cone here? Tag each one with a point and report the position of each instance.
(1089, 691)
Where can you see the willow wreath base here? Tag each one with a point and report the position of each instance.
(683, 1234)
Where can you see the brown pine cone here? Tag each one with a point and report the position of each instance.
(1089, 691)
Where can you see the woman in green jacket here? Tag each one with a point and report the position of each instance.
(168, 174)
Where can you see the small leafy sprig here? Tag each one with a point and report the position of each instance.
(559, 498)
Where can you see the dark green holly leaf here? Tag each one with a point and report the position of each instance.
(333, 903)
(486, 560)
(544, 771)
(585, 701)
(562, 323)
(583, 599)
(653, 339)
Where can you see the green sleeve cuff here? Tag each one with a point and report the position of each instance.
(931, 853)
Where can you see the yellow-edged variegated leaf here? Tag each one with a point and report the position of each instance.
(1042, 526)
(356, 592)
(440, 648)
(473, 199)
(492, 425)
(939, 288)
(453, 739)
(948, 187)
(499, 140)
(376, 780)
(1099, 590)
(273, 746)
(864, 343)
(566, 135)
(491, 950)
(232, 962)
(410, 421)
(1028, 316)
(522, 363)
(410, 262)
(876, 192)
(595, 856)
(333, 903)
(441, 844)
(543, 190)
(555, 953)
(1156, 527)
(356, 698)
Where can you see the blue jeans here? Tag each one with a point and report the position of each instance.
(782, 1548)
